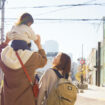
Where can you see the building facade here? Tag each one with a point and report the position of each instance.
(91, 62)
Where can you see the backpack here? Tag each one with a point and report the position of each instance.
(63, 93)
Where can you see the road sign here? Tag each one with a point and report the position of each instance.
(82, 61)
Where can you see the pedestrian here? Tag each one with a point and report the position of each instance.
(17, 90)
(61, 69)
(22, 32)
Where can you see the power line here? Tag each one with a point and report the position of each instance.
(68, 19)
(59, 19)
(62, 9)
(63, 5)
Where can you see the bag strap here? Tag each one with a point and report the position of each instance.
(24, 69)
(57, 73)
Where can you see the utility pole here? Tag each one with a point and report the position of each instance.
(82, 67)
(82, 51)
(81, 84)
(99, 62)
(2, 4)
(103, 50)
(2, 19)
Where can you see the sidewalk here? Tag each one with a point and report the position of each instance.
(88, 101)
(94, 92)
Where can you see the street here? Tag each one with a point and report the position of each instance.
(88, 101)
(93, 96)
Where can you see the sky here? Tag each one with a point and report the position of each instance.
(70, 35)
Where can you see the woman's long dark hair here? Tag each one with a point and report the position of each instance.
(25, 19)
(64, 64)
